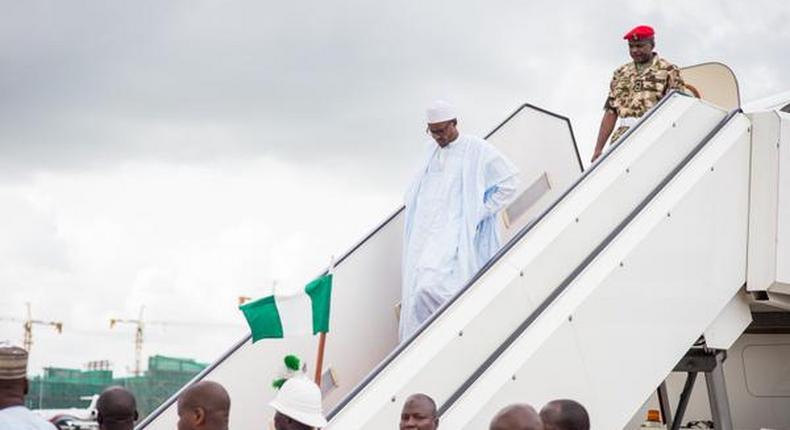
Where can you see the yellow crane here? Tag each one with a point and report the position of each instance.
(140, 323)
(28, 326)
(138, 337)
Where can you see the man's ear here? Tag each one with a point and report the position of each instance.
(200, 415)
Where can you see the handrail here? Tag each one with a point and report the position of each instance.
(512, 242)
(236, 346)
(583, 265)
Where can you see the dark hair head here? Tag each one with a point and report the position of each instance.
(116, 408)
(210, 397)
(565, 414)
(420, 397)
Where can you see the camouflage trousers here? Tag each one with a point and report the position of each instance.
(618, 133)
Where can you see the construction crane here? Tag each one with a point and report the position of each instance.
(138, 337)
(140, 323)
(28, 326)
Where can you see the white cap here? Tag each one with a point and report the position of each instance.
(440, 111)
(300, 399)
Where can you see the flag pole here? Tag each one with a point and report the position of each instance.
(319, 361)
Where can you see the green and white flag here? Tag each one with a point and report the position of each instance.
(299, 314)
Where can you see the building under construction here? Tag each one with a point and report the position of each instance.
(62, 388)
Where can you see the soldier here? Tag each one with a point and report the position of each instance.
(636, 86)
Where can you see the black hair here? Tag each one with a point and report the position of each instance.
(425, 397)
(569, 415)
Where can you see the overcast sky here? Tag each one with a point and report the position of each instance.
(177, 155)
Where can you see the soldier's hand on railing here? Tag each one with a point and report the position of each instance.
(596, 154)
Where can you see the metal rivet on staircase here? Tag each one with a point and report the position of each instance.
(674, 124)
(513, 377)
(460, 333)
(577, 219)
(669, 214)
(628, 170)
(570, 318)
(392, 399)
(711, 168)
(621, 264)
(521, 273)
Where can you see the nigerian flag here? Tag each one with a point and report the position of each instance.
(299, 314)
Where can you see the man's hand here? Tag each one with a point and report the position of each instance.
(596, 154)
(607, 125)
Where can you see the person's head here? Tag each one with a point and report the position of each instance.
(116, 409)
(516, 417)
(204, 405)
(641, 42)
(13, 375)
(564, 414)
(419, 413)
(298, 405)
(284, 422)
(442, 122)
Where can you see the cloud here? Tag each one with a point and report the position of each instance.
(97, 84)
(184, 242)
(174, 155)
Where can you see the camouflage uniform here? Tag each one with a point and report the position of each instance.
(632, 92)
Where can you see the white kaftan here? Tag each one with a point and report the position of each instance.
(450, 226)
(22, 418)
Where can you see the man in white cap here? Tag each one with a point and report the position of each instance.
(13, 388)
(450, 228)
(298, 405)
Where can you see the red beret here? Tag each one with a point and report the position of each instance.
(641, 32)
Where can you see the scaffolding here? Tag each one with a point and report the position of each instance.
(61, 388)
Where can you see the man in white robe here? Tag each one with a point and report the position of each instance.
(13, 389)
(450, 228)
